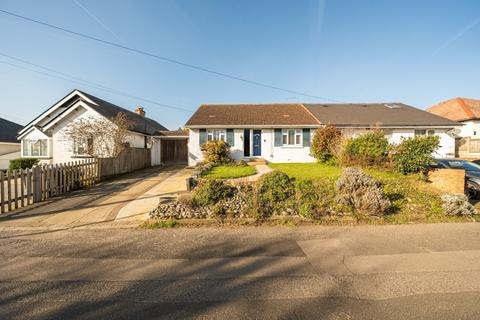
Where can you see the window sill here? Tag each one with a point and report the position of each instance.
(37, 157)
(291, 147)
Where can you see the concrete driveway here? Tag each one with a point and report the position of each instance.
(130, 195)
(369, 272)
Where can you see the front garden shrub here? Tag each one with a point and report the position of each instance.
(273, 192)
(324, 143)
(186, 200)
(457, 205)
(414, 154)
(217, 152)
(314, 198)
(210, 192)
(22, 163)
(368, 149)
(361, 192)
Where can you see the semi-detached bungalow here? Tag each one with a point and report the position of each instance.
(283, 132)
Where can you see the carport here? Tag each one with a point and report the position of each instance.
(170, 147)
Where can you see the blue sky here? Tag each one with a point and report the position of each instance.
(417, 52)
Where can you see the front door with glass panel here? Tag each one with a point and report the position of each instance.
(257, 143)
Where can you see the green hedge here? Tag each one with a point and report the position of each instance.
(415, 154)
(368, 149)
(22, 163)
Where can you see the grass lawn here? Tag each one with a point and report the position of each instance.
(312, 171)
(413, 200)
(307, 171)
(229, 172)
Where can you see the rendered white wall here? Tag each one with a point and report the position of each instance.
(194, 153)
(269, 152)
(5, 159)
(302, 154)
(470, 129)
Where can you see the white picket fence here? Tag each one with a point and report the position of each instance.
(20, 188)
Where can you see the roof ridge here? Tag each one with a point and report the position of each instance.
(251, 104)
(310, 112)
(465, 108)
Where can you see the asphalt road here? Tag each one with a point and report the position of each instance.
(382, 272)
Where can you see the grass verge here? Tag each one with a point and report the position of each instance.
(159, 224)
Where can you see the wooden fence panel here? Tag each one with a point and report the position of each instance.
(20, 188)
(2, 192)
(131, 159)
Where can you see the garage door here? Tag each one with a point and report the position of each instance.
(174, 151)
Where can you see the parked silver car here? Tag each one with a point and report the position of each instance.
(472, 173)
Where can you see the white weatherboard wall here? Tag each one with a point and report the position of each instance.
(62, 144)
(36, 134)
(60, 147)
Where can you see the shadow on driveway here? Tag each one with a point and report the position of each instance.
(97, 204)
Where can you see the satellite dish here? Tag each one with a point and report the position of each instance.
(455, 133)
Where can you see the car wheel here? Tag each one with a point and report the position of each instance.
(473, 190)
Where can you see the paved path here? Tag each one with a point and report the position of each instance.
(137, 209)
(261, 170)
(97, 207)
(371, 272)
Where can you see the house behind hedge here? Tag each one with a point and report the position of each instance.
(283, 132)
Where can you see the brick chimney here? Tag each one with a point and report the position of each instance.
(140, 111)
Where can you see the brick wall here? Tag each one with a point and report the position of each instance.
(448, 180)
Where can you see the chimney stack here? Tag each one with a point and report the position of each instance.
(140, 111)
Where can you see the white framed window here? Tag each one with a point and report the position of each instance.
(217, 135)
(292, 137)
(35, 148)
(83, 147)
(424, 132)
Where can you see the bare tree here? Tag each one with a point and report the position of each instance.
(99, 137)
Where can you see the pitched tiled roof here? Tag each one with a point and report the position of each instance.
(140, 123)
(458, 109)
(348, 115)
(375, 114)
(9, 131)
(251, 114)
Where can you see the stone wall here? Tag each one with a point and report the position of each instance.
(448, 180)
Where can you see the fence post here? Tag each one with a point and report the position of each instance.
(99, 169)
(37, 184)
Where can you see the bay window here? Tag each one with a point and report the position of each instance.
(35, 148)
(292, 137)
(217, 135)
